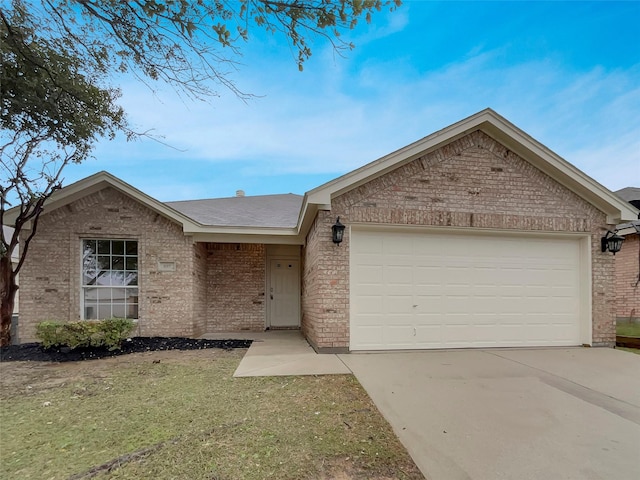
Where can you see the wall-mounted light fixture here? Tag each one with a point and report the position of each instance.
(611, 242)
(337, 231)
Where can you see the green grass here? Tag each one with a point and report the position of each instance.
(628, 329)
(196, 421)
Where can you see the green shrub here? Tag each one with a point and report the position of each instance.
(109, 333)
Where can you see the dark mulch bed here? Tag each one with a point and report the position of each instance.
(35, 352)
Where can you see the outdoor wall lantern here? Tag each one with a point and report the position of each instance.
(611, 242)
(338, 231)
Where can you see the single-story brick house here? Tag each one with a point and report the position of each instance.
(474, 236)
(628, 263)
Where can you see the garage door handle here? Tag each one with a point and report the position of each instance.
(271, 297)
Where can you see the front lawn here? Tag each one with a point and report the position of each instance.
(178, 414)
(628, 329)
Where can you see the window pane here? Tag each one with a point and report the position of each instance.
(119, 310)
(104, 278)
(117, 247)
(90, 295)
(104, 246)
(104, 262)
(89, 247)
(131, 278)
(104, 295)
(118, 294)
(118, 279)
(131, 263)
(104, 311)
(89, 273)
(132, 295)
(90, 311)
(132, 310)
(132, 247)
(117, 263)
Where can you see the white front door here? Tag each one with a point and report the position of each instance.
(283, 296)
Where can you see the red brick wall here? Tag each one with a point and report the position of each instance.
(627, 286)
(50, 280)
(200, 294)
(325, 278)
(236, 287)
(215, 287)
(471, 182)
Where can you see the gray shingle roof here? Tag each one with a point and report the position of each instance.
(629, 193)
(258, 211)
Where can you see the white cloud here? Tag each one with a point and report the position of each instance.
(335, 117)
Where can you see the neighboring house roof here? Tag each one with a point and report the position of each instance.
(631, 195)
(257, 211)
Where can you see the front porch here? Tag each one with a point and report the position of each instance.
(247, 287)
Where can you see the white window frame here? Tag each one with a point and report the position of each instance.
(110, 256)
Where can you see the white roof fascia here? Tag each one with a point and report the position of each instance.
(308, 213)
(504, 132)
(239, 230)
(265, 238)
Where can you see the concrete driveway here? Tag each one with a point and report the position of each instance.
(565, 413)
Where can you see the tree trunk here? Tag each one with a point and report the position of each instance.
(8, 289)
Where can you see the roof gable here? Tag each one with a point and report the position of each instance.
(505, 133)
(97, 182)
(472, 174)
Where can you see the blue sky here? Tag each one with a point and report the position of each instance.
(567, 73)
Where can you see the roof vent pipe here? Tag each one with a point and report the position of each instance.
(239, 193)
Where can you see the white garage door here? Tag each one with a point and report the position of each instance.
(416, 290)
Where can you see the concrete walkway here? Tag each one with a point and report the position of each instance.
(282, 352)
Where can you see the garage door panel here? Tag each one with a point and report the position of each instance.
(453, 291)
(371, 305)
(398, 305)
(398, 275)
(400, 336)
(370, 245)
(369, 274)
(426, 274)
(371, 336)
